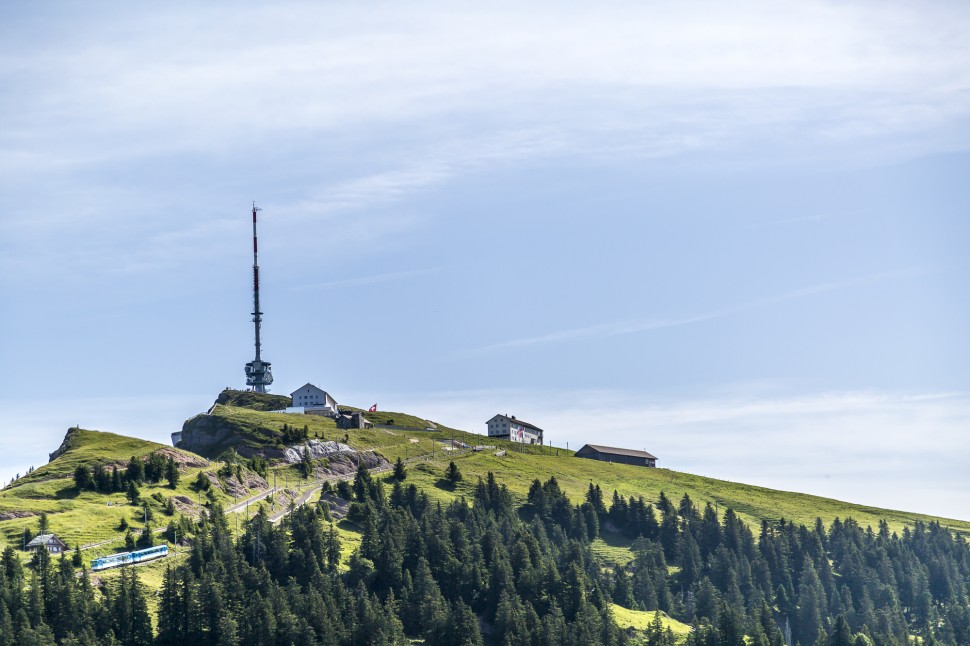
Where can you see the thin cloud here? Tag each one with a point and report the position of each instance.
(623, 328)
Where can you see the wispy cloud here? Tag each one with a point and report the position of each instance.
(417, 98)
(433, 164)
(622, 328)
(693, 71)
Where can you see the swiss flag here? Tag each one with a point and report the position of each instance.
(372, 409)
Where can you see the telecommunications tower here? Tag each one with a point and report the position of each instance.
(258, 372)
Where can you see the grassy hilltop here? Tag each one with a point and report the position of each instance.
(80, 517)
(86, 517)
(522, 464)
(243, 423)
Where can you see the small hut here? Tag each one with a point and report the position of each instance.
(50, 542)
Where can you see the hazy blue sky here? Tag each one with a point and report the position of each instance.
(734, 234)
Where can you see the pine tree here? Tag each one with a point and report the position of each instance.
(306, 463)
(453, 474)
(82, 477)
(400, 473)
(135, 471)
(622, 590)
(6, 626)
(172, 473)
(132, 493)
(811, 602)
(841, 634)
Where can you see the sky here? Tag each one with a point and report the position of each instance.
(731, 234)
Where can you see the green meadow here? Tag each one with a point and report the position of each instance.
(88, 517)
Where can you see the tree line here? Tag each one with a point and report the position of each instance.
(154, 468)
(487, 570)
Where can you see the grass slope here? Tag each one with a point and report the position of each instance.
(87, 517)
(639, 620)
(255, 401)
(752, 504)
(238, 426)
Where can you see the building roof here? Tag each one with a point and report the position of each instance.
(612, 450)
(520, 422)
(317, 388)
(44, 539)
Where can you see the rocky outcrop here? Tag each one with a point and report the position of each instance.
(66, 444)
(293, 454)
(208, 435)
(341, 459)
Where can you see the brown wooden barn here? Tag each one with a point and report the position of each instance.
(620, 456)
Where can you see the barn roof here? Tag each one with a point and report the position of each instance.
(612, 450)
(44, 539)
(317, 388)
(520, 422)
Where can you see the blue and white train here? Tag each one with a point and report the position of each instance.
(127, 558)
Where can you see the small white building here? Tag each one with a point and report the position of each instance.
(507, 427)
(311, 398)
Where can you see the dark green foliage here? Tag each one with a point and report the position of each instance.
(657, 635)
(82, 478)
(172, 473)
(453, 474)
(128, 611)
(135, 471)
(155, 467)
(147, 537)
(344, 490)
(435, 572)
(102, 479)
(400, 473)
(306, 463)
(201, 482)
(293, 435)
(257, 464)
(132, 493)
